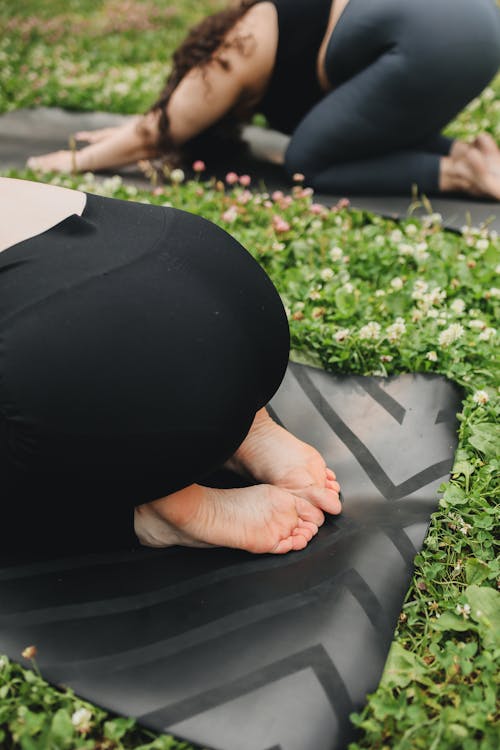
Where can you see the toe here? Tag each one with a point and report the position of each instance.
(308, 525)
(299, 542)
(332, 485)
(323, 498)
(286, 545)
(309, 512)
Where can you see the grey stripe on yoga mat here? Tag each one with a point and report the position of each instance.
(241, 652)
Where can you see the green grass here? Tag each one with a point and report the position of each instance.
(354, 287)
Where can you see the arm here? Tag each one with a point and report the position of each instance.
(203, 96)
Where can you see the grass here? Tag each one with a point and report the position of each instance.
(364, 295)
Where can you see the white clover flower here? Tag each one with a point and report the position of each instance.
(436, 296)
(326, 274)
(397, 283)
(487, 334)
(81, 720)
(420, 252)
(451, 334)
(405, 249)
(488, 94)
(341, 335)
(458, 306)
(348, 287)
(431, 356)
(299, 305)
(314, 294)
(432, 313)
(465, 528)
(411, 229)
(379, 293)
(386, 358)
(420, 287)
(278, 246)
(494, 292)
(370, 331)
(463, 610)
(396, 235)
(336, 253)
(481, 397)
(479, 324)
(379, 240)
(111, 184)
(177, 176)
(482, 244)
(396, 330)
(416, 315)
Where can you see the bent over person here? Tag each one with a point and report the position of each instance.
(363, 88)
(139, 346)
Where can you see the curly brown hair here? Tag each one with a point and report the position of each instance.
(197, 50)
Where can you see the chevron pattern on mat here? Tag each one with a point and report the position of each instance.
(239, 652)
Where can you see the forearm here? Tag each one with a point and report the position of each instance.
(129, 144)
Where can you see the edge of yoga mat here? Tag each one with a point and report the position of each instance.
(241, 652)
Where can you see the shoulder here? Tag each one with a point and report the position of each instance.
(250, 45)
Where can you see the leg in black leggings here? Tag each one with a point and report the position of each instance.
(400, 71)
(137, 344)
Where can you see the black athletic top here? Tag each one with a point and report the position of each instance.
(294, 86)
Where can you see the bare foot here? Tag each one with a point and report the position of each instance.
(257, 519)
(94, 136)
(271, 454)
(485, 168)
(57, 161)
(487, 145)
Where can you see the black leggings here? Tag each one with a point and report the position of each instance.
(400, 70)
(136, 345)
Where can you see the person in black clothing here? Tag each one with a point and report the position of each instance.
(139, 346)
(363, 88)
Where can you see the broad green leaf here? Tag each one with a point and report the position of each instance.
(454, 495)
(116, 729)
(476, 571)
(485, 437)
(61, 730)
(451, 621)
(345, 302)
(401, 668)
(485, 610)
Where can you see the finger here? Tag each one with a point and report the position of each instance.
(330, 474)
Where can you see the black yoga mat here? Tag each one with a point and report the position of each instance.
(242, 652)
(27, 132)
